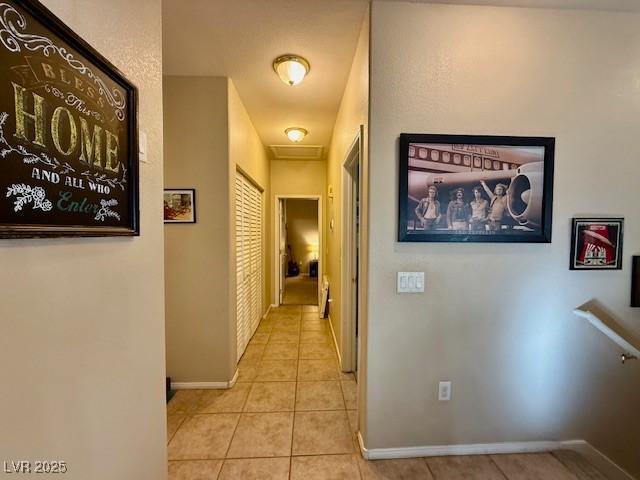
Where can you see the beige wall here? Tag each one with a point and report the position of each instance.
(496, 318)
(208, 135)
(302, 231)
(247, 153)
(196, 255)
(353, 112)
(82, 351)
(295, 177)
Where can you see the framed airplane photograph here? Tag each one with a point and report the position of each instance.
(596, 244)
(469, 188)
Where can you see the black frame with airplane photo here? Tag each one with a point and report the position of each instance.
(596, 243)
(475, 188)
(635, 281)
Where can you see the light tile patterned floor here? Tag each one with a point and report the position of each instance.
(300, 290)
(292, 416)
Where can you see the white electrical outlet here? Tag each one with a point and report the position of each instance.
(444, 391)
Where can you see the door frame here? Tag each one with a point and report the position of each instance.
(354, 154)
(276, 243)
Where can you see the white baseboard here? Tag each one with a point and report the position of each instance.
(273, 305)
(604, 464)
(205, 385)
(235, 378)
(335, 342)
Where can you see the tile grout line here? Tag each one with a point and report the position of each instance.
(495, 464)
(295, 396)
(244, 403)
(179, 425)
(263, 458)
(433, 475)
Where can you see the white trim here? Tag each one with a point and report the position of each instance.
(268, 310)
(235, 378)
(335, 342)
(604, 464)
(623, 343)
(205, 385)
(363, 450)
(353, 157)
(276, 246)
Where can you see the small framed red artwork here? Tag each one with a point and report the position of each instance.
(596, 244)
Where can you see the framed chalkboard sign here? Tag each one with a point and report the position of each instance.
(68, 132)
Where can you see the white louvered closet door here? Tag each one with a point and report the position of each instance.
(249, 281)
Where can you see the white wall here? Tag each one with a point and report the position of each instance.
(196, 255)
(247, 154)
(496, 318)
(208, 135)
(353, 112)
(82, 344)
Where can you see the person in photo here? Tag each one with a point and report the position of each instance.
(458, 211)
(428, 209)
(479, 210)
(497, 205)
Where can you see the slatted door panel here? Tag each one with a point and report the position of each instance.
(256, 257)
(241, 313)
(249, 277)
(246, 261)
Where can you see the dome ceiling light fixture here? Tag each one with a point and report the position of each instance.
(291, 68)
(296, 134)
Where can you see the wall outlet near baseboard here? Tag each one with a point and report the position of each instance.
(444, 391)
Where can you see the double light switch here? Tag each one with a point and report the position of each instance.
(410, 282)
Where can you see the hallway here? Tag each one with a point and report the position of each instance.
(290, 407)
(292, 415)
(300, 290)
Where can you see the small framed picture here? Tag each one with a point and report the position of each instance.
(635, 281)
(596, 244)
(180, 206)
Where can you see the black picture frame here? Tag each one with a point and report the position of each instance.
(63, 189)
(521, 166)
(180, 209)
(596, 243)
(635, 281)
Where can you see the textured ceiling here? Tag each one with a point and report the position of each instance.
(240, 39)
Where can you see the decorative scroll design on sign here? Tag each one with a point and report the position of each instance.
(73, 101)
(28, 157)
(105, 211)
(103, 179)
(27, 194)
(13, 37)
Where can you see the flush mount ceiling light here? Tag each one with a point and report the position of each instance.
(291, 68)
(296, 134)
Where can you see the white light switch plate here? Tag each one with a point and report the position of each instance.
(444, 391)
(410, 282)
(142, 147)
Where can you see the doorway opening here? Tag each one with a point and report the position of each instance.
(351, 246)
(298, 244)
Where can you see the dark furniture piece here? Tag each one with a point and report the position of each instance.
(313, 268)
